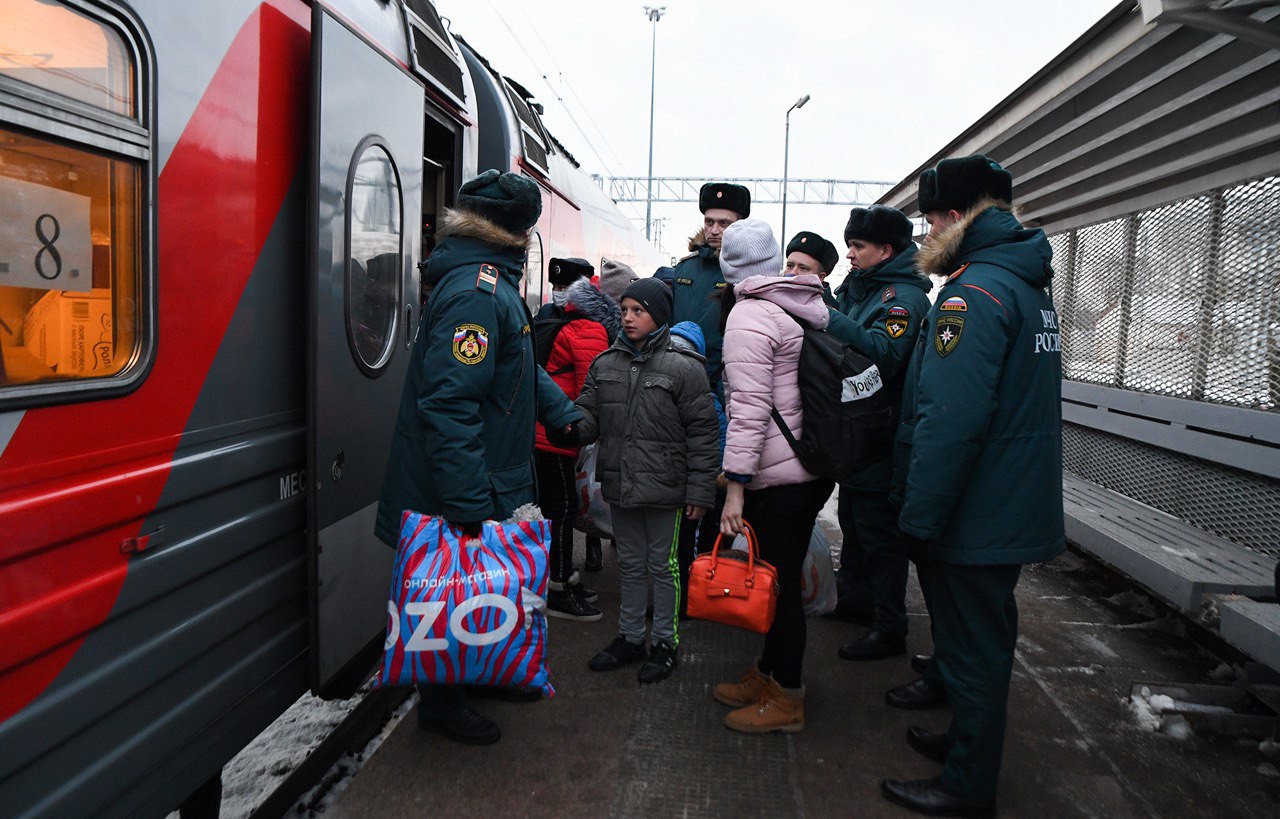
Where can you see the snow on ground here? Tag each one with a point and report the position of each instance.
(264, 763)
(336, 780)
(1161, 713)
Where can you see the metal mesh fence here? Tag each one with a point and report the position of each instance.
(1230, 503)
(1181, 300)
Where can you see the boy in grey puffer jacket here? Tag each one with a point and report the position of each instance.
(658, 456)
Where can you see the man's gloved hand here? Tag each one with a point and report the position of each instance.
(468, 528)
(565, 437)
(916, 549)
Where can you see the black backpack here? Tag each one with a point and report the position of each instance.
(850, 416)
(545, 330)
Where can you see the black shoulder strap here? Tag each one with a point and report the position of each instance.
(782, 425)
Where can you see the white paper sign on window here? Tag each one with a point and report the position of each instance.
(45, 241)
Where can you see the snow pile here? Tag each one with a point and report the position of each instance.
(264, 763)
(1208, 615)
(332, 785)
(1161, 713)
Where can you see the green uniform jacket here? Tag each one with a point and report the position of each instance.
(695, 297)
(879, 313)
(464, 437)
(979, 451)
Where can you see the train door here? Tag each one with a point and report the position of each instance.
(366, 198)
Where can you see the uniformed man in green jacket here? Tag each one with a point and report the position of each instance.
(807, 252)
(881, 304)
(464, 436)
(979, 463)
(697, 281)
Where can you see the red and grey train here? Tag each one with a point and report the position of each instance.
(209, 230)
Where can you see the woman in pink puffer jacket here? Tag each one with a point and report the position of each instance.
(767, 484)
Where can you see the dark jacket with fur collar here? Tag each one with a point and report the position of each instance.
(695, 296)
(463, 444)
(979, 455)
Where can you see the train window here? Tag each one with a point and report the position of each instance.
(73, 298)
(50, 46)
(374, 221)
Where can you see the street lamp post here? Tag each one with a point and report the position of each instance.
(654, 13)
(786, 157)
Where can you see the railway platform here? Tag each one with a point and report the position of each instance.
(607, 746)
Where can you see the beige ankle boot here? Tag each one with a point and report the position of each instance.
(745, 691)
(776, 709)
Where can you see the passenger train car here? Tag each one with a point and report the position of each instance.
(208, 290)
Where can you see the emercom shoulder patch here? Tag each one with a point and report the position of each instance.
(470, 343)
(946, 334)
(955, 304)
(487, 278)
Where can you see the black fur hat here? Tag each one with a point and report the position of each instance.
(814, 245)
(564, 272)
(881, 225)
(509, 200)
(956, 184)
(725, 195)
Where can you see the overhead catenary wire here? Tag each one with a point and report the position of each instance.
(563, 106)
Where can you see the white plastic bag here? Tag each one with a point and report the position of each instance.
(817, 577)
(593, 513)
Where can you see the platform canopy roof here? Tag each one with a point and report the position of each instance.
(1160, 100)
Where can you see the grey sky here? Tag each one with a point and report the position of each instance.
(891, 83)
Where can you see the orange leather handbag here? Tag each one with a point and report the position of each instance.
(734, 587)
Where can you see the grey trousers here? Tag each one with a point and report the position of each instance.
(647, 540)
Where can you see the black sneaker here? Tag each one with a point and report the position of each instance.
(583, 593)
(462, 725)
(566, 604)
(661, 662)
(617, 654)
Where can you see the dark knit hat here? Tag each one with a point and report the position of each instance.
(814, 245)
(564, 272)
(956, 184)
(508, 200)
(725, 195)
(880, 225)
(654, 296)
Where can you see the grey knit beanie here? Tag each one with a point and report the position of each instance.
(749, 249)
(614, 278)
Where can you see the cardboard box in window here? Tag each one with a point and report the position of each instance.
(71, 332)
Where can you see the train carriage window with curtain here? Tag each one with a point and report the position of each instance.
(73, 165)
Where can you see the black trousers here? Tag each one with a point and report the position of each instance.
(558, 498)
(783, 518)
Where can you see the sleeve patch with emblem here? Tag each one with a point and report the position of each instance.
(954, 304)
(946, 334)
(470, 343)
(895, 323)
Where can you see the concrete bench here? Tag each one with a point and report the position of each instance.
(1175, 560)
(1252, 627)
